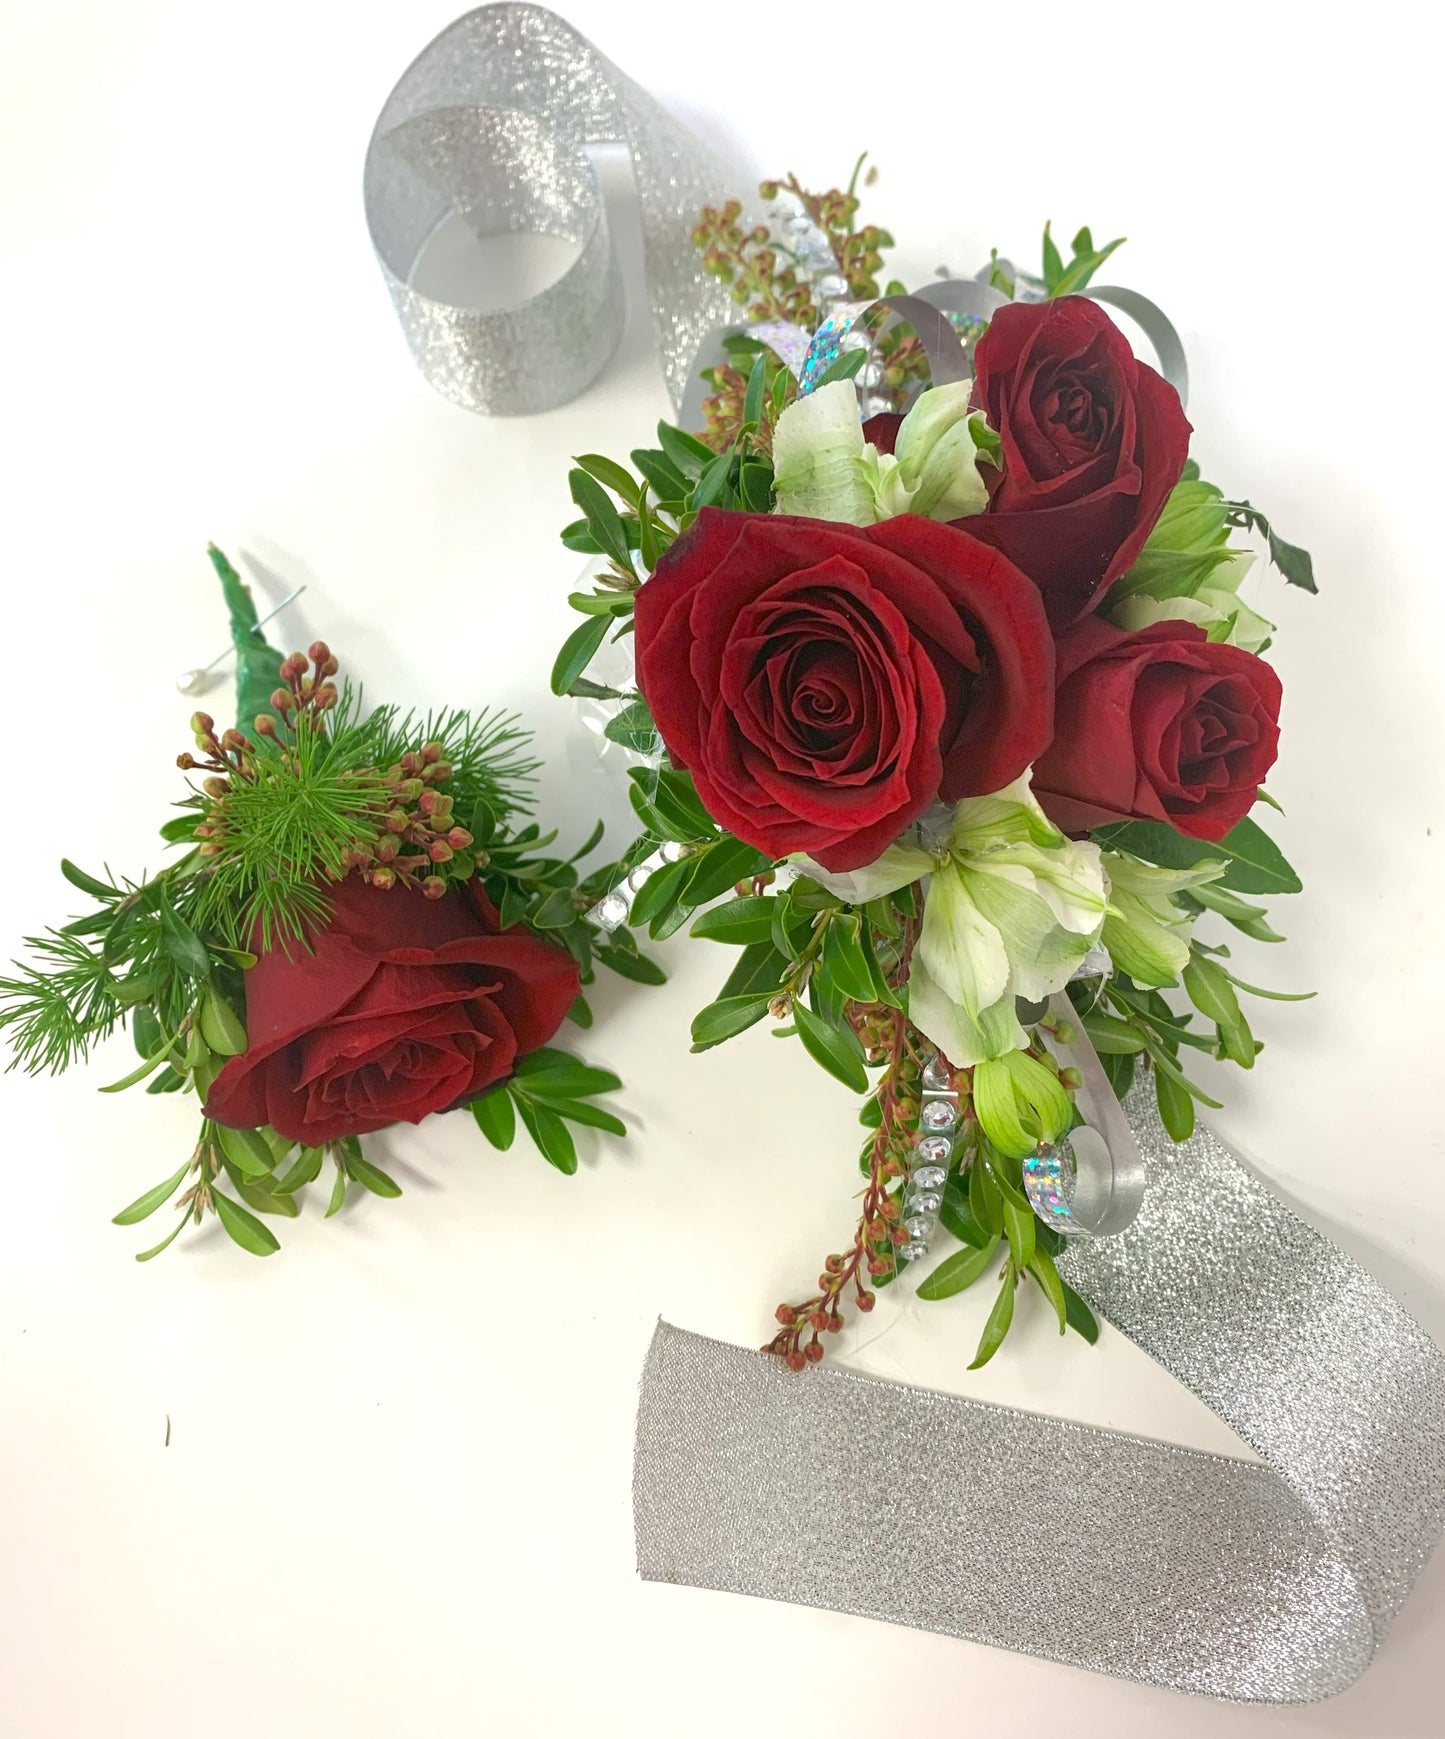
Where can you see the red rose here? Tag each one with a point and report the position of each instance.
(1157, 725)
(823, 684)
(407, 1006)
(1093, 442)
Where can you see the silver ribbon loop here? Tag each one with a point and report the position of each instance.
(488, 124)
(1269, 1583)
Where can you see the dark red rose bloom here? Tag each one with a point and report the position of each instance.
(823, 683)
(1157, 725)
(1093, 441)
(407, 1006)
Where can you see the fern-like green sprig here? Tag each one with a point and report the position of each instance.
(57, 1007)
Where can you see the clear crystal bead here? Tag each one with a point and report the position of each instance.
(612, 912)
(937, 1076)
(923, 1202)
(638, 877)
(799, 224)
(919, 1227)
(939, 1114)
(833, 285)
(929, 1177)
(933, 1150)
(915, 1251)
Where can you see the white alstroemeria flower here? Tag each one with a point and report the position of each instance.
(824, 469)
(933, 469)
(818, 464)
(1146, 931)
(1216, 606)
(1011, 908)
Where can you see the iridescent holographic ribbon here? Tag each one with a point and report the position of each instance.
(1263, 1583)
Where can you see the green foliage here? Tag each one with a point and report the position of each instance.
(550, 1089)
(1256, 864)
(1292, 561)
(1067, 279)
(256, 661)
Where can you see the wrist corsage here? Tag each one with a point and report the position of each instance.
(951, 690)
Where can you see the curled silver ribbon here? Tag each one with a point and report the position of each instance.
(488, 124)
(1270, 1583)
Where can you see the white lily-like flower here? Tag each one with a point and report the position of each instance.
(1146, 931)
(1012, 906)
(824, 469)
(818, 464)
(1215, 606)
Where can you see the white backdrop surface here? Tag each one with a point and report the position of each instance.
(395, 1496)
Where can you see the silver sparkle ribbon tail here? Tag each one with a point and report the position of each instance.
(489, 125)
(1264, 1583)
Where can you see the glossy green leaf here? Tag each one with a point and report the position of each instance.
(143, 1206)
(958, 1271)
(1255, 863)
(551, 1135)
(181, 942)
(1080, 1318)
(603, 520)
(223, 1029)
(1041, 1266)
(371, 1177)
(247, 1151)
(306, 1170)
(338, 1193)
(739, 922)
(166, 1242)
(579, 1111)
(87, 884)
(833, 1048)
(242, 1226)
(638, 967)
(1176, 1106)
(578, 651)
(727, 1017)
(496, 1117)
(610, 474)
(999, 1319)
(721, 866)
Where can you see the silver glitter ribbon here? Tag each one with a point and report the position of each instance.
(1264, 1583)
(488, 124)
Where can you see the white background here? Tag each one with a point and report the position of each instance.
(395, 1499)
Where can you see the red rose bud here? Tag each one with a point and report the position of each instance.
(427, 802)
(293, 667)
(319, 652)
(431, 753)
(786, 1315)
(264, 725)
(434, 887)
(813, 1352)
(439, 851)
(459, 839)
(1161, 724)
(1094, 439)
(823, 684)
(866, 1300)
